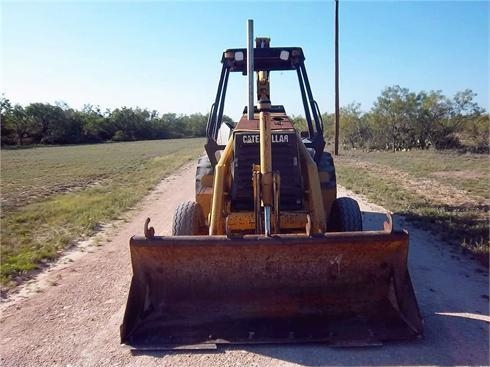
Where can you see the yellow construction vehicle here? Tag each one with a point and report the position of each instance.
(266, 253)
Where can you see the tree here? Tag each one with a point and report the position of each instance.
(72, 128)
(464, 106)
(329, 127)
(50, 121)
(355, 131)
(199, 122)
(5, 110)
(21, 123)
(395, 110)
(128, 124)
(299, 123)
(173, 127)
(478, 134)
(93, 123)
(5, 106)
(433, 109)
(441, 120)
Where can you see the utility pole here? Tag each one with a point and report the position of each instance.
(337, 109)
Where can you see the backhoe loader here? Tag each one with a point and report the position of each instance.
(267, 253)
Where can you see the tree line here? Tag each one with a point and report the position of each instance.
(401, 119)
(44, 123)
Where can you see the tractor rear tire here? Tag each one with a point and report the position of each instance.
(345, 216)
(188, 219)
(326, 165)
(204, 168)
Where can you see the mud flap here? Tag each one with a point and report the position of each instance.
(345, 289)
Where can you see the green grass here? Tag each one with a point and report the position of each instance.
(469, 172)
(54, 196)
(445, 192)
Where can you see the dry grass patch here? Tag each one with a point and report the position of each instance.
(55, 196)
(445, 192)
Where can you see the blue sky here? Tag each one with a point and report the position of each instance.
(166, 55)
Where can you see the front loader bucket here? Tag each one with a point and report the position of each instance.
(345, 289)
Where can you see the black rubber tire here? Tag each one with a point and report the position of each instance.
(345, 216)
(326, 165)
(188, 219)
(204, 168)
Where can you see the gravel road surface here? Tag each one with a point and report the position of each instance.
(70, 314)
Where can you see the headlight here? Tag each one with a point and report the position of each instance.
(284, 55)
(239, 56)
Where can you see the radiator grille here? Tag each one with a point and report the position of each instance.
(284, 159)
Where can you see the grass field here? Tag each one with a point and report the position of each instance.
(54, 196)
(446, 192)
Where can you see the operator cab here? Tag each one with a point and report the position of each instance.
(266, 59)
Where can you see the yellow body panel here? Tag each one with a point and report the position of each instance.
(313, 191)
(215, 200)
(219, 204)
(245, 222)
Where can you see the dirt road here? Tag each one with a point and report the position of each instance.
(70, 315)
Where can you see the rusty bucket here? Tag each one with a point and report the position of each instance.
(199, 291)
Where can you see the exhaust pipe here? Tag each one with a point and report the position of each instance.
(250, 68)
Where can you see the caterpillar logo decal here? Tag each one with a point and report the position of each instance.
(254, 138)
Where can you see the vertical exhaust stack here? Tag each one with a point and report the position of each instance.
(266, 176)
(250, 68)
